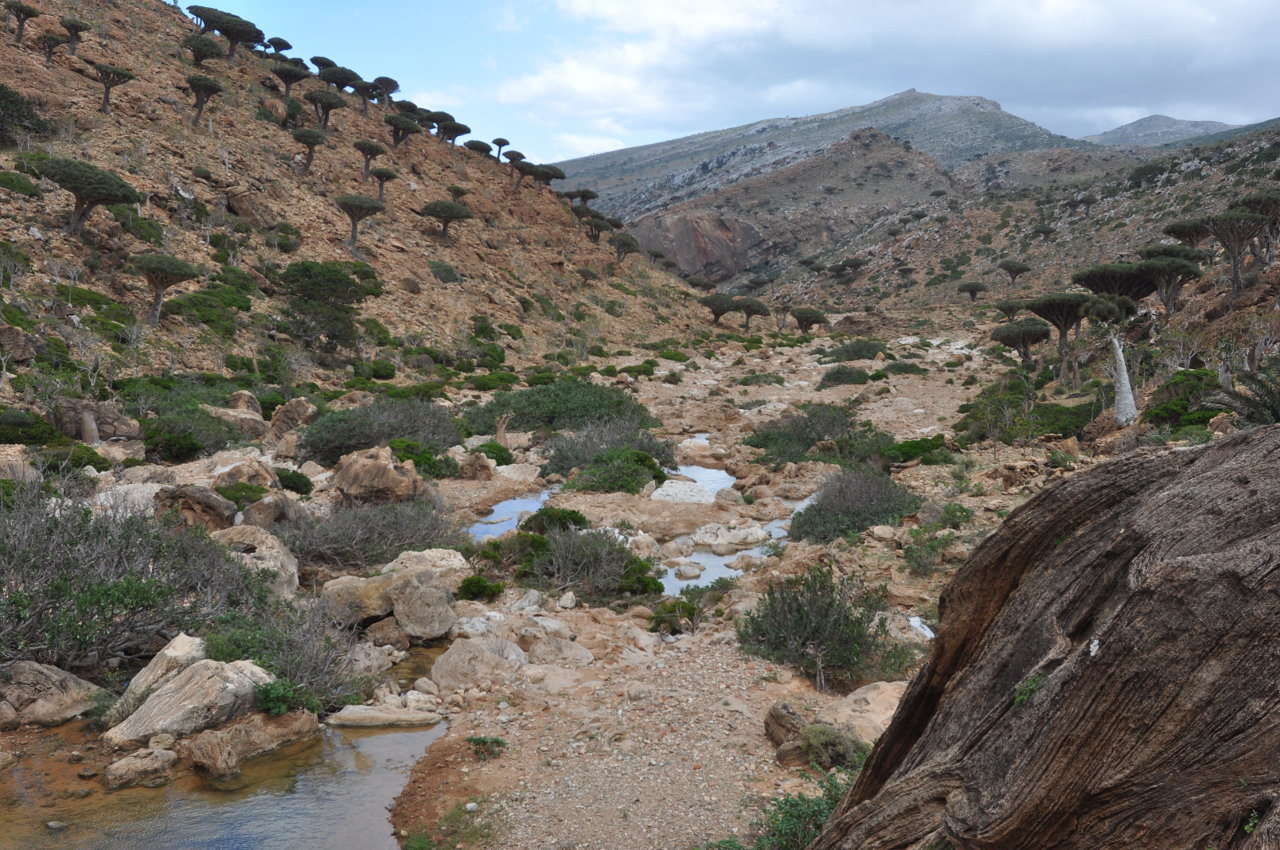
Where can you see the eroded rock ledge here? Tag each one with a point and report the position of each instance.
(1105, 672)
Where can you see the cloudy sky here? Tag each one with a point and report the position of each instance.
(565, 78)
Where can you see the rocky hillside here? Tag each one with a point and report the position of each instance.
(636, 181)
(1155, 130)
(236, 192)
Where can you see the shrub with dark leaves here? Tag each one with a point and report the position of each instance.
(369, 535)
(342, 431)
(851, 501)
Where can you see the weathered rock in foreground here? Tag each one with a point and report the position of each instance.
(1104, 675)
(219, 752)
(43, 695)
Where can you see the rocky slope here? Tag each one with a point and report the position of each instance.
(635, 181)
(1157, 130)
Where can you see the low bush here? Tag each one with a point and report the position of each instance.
(428, 463)
(28, 429)
(480, 588)
(909, 450)
(496, 452)
(925, 550)
(761, 379)
(825, 625)
(568, 403)
(1174, 402)
(850, 502)
(594, 564)
(78, 587)
(18, 183)
(828, 747)
(340, 432)
(485, 747)
(793, 821)
(493, 381)
(369, 535)
(842, 376)
(292, 479)
(378, 370)
(73, 457)
(180, 434)
(242, 493)
(618, 470)
(567, 452)
(857, 349)
(548, 518)
(794, 438)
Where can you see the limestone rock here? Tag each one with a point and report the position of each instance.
(421, 607)
(1096, 666)
(684, 492)
(249, 423)
(292, 414)
(361, 598)
(791, 754)
(725, 539)
(246, 471)
(376, 476)
(273, 508)
(149, 768)
(69, 417)
(261, 550)
(18, 345)
(469, 661)
(244, 400)
(178, 654)
(387, 632)
(42, 695)
(197, 506)
(783, 723)
(369, 660)
(220, 752)
(381, 715)
(252, 207)
(204, 695)
(14, 469)
(442, 562)
(560, 653)
(866, 712)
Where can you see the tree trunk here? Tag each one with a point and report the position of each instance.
(89, 426)
(153, 317)
(1126, 411)
(105, 109)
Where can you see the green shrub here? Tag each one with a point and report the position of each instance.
(428, 462)
(1173, 403)
(618, 470)
(793, 821)
(242, 493)
(340, 432)
(759, 379)
(674, 616)
(580, 448)
(444, 272)
(673, 355)
(825, 625)
(28, 429)
(80, 586)
(369, 535)
(18, 184)
(480, 588)
(182, 434)
(549, 518)
(141, 228)
(74, 456)
(485, 747)
(493, 381)
(842, 375)
(594, 564)
(282, 696)
(955, 515)
(828, 747)
(909, 450)
(850, 502)
(568, 403)
(292, 479)
(856, 349)
(495, 451)
(903, 367)
(790, 439)
(925, 550)
(378, 370)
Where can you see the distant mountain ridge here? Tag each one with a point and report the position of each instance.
(1155, 130)
(954, 129)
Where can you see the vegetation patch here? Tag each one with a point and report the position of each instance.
(850, 502)
(568, 403)
(334, 434)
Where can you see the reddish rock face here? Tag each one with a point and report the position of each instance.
(1101, 676)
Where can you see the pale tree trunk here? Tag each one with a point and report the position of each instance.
(89, 427)
(1126, 409)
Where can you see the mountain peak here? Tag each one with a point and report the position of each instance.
(1157, 130)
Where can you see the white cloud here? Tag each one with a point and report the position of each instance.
(510, 19)
(686, 67)
(571, 145)
(438, 100)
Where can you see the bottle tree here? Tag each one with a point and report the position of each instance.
(110, 76)
(203, 88)
(1110, 311)
(370, 151)
(310, 139)
(358, 208)
(161, 272)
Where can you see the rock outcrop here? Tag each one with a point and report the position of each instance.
(42, 695)
(376, 476)
(261, 550)
(219, 752)
(1103, 674)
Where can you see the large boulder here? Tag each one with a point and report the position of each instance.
(72, 415)
(272, 509)
(196, 506)
(470, 661)
(246, 471)
(359, 599)
(249, 423)
(292, 414)
(560, 652)
(42, 695)
(376, 476)
(363, 716)
(178, 654)
(18, 345)
(220, 752)
(866, 712)
(264, 551)
(422, 607)
(1103, 674)
(149, 768)
(206, 694)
